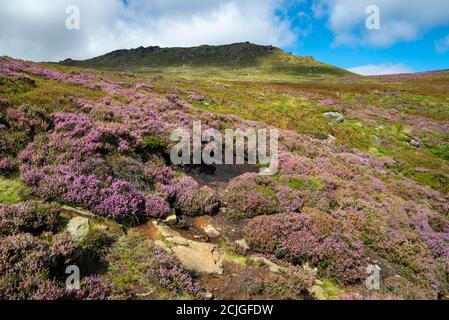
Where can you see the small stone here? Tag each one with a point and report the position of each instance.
(206, 295)
(331, 139)
(171, 219)
(338, 117)
(223, 210)
(78, 228)
(242, 244)
(376, 139)
(415, 143)
(211, 231)
(273, 267)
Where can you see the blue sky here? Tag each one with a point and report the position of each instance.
(426, 51)
(413, 34)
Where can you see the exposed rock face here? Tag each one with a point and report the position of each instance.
(336, 116)
(78, 228)
(198, 257)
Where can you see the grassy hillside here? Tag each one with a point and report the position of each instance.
(240, 59)
(371, 186)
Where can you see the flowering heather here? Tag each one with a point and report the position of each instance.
(23, 255)
(167, 272)
(28, 217)
(252, 195)
(80, 148)
(7, 166)
(301, 238)
(4, 102)
(330, 205)
(192, 200)
(156, 206)
(94, 288)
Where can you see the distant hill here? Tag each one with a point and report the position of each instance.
(245, 57)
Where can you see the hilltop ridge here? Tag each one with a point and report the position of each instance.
(249, 57)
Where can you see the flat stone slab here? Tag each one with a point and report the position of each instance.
(198, 257)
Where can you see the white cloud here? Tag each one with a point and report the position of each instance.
(401, 20)
(442, 46)
(35, 29)
(380, 69)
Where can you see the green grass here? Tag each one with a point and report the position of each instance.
(46, 95)
(331, 290)
(13, 191)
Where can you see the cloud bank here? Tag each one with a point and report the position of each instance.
(401, 20)
(380, 69)
(35, 29)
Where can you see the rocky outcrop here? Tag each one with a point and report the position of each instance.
(198, 257)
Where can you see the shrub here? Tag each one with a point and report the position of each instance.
(192, 200)
(94, 288)
(70, 165)
(167, 272)
(156, 206)
(154, 143)
(28, 217)
(7, 167)
(301, 238)
(25, 264)
(252, 195)
(3, 103)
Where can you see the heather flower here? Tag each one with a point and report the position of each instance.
(28, 218)
(24, 254)
(7, 166)
(156, 206)
(167, 272)
(253, 195)
(94, 288)
(299, 238)
(192, 200)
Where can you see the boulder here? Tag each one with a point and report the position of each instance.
(78, 228)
